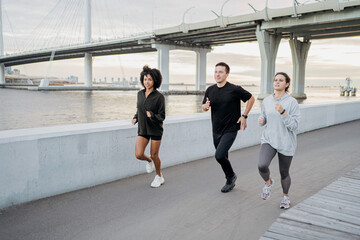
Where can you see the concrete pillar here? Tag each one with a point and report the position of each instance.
(201, 69)
(268, 45)
(88, 21)
(88, 70)
(299, 53)
(88, 56)
(163, 64)
(2, 73)
(2, 66)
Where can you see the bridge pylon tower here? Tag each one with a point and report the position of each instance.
(2, 66)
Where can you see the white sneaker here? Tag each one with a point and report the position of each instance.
(285, 202)
(150, 167)
(266, 192)
(157, 181)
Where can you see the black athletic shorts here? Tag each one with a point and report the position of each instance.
(148, 137)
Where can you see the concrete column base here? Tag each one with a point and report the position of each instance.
(263, 95)
(299, 95)
(299, 53)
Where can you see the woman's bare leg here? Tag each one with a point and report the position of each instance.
(154, 151)
(140, 146)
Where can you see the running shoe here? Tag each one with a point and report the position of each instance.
(150, 167)
(266, 192)
(157, 181)
(285, 202)
(229, 185)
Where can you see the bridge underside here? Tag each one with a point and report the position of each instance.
(244, 32)
(69, 53)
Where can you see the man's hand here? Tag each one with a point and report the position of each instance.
(206, 105)
(242, 122)
(148, 113)
(133, 121)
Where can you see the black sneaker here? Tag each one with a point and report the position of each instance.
(230, 184)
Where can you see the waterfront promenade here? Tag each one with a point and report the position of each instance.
(190, 204)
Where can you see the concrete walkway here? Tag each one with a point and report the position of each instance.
(190, 204)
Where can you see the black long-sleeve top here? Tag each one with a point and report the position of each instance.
(155, 104)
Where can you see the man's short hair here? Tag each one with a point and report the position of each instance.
(227, 68)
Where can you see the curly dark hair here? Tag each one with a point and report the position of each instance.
(154, 73)
(287, 79)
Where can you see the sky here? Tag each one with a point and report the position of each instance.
(61, 22)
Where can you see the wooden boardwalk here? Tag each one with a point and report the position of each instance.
(332, 213)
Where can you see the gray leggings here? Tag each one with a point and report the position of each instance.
(267, 153)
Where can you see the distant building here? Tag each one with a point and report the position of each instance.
(16, 72)
(73, 79)
(8, 71)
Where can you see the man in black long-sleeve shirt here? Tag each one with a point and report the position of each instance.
(224, 100)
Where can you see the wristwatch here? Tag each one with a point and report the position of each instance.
(245, 116)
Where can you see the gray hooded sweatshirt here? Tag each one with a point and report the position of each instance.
(280, 131)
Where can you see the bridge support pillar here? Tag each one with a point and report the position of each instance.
(163, 64)
(201, 69)
(299, 53)
(2, 74)
(2, 66)
(88, 70)
(268, 45)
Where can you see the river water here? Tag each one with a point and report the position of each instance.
(30, 109)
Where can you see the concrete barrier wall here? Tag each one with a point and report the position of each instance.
(42, 162)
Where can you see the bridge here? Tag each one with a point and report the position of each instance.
(300, 23)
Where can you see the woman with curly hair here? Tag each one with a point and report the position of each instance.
(150, 116)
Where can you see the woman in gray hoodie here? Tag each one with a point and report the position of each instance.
(280, 116)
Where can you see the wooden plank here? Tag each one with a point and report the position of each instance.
(334, 198)
(299, 232)
(350, 180)
(328, 193)
(353, 177)
(343, 191)
(335, 235)
(346, 186)
(265, 238)
(337, 215)
(298, 215)
(331, 199)
(354, 174)
(333, 206)
(279, 236)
